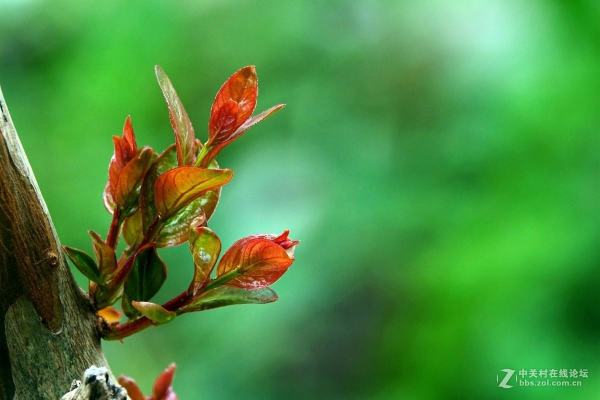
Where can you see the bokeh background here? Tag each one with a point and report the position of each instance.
(439, 161)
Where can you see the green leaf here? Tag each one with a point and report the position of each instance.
(205, 247)
(229, 295)
(84, 263)
(185, 139)
(127, 308)
(146, 278)
(154, 312)
(133, 231)
(176, 229)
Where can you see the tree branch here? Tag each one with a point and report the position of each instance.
(48, 332)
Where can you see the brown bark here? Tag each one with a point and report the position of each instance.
(48, 333)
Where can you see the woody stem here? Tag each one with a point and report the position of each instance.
(121, 331)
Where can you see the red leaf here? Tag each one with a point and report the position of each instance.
(165, 161)
(126, 169)
(175, 230)
(125, 151)
(124, 190)
(178, 187)
(284, 241)
(258, 262)
(255, 119)
(215, 148)
(133, 390)
(129, 145)
(182, 126)
(162, 389)
(105, 256)
(233, 105)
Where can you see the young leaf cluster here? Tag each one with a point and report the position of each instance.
(166, 199)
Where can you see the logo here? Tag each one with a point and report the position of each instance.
(508, 374)
(541, 377)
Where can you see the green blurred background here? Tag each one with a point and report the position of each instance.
(439, 161)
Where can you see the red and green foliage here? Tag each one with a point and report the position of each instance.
(167, 199)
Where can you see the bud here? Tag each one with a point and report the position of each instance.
(125, 151)
(284, 241)
(257, 261)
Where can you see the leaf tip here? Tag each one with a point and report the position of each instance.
(248, 70)
(162, 388)
(228, 173)
(94, 236)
